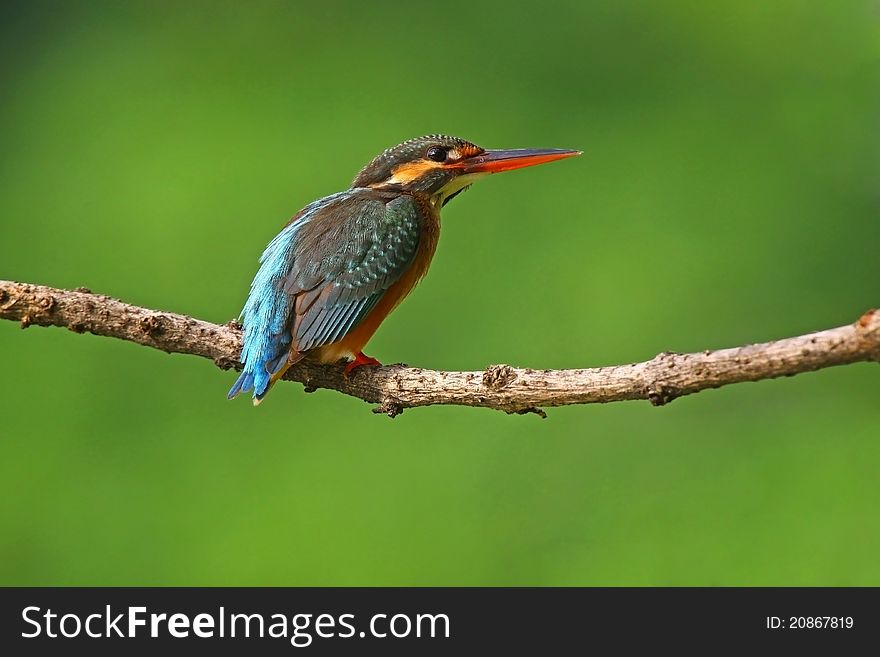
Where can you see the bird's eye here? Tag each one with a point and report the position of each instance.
(436, 153)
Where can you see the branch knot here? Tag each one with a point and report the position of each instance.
(151, 324)
(496, 377)
(661, 394)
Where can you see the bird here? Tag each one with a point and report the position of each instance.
(338, 268)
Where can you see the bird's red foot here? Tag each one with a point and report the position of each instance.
(359, 361)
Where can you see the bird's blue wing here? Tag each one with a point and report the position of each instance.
(321, 275)
(346, 264)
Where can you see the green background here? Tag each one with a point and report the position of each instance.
(728, 194)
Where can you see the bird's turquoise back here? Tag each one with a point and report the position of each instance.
(267, 309)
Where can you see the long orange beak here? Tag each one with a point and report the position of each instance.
(496, 161)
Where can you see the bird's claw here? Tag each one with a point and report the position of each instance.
(359, 361)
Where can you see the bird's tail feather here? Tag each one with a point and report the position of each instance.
(246, 381)
(278, 367)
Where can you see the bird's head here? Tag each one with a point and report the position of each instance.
(443, 166)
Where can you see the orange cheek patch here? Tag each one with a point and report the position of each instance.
(406, 173)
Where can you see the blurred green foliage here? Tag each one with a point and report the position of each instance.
(728, 194)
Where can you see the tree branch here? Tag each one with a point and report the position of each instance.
(396, 387)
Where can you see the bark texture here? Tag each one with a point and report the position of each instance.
(502, 387)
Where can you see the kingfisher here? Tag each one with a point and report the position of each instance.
(338, 268)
